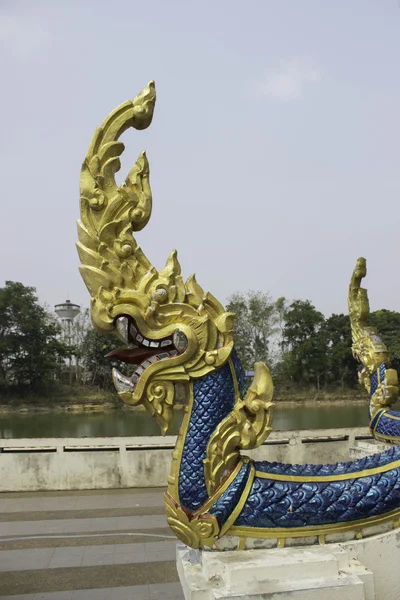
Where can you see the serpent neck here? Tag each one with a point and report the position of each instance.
(212, 398)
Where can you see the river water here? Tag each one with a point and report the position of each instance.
(136, 423)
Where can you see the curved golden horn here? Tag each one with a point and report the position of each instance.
(367, 347)
(110, 258)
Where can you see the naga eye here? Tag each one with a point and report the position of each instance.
(160, 295)
(180, 340)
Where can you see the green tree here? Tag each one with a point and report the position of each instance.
(305, 343)
(256, 326)
(30, 348)
(281, 309)
(342, 367)
(387, 323)
(238, 304)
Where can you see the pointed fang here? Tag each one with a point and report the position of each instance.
(122, 328)
(122, 383)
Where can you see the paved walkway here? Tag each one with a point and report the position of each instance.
(87, 545)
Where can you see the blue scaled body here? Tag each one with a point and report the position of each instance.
(282, 495)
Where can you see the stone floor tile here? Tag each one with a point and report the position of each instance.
(167, 591)
(129, 548)
(53, 596)
(48, 552)
(100, 549)
(93, 560)
(97, 594)
(69, 551)
(166, 553)
(70, 526)
(126, 559)
(137, 592)
(160, 545)
(27, 562)
(59, 562)
(15, 560)
(18, 597)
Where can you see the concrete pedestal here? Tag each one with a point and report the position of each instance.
(309, 573)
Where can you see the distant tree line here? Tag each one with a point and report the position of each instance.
(301, 346)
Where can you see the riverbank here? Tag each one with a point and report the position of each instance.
(290, 397)
(62, 398)
(77, 400)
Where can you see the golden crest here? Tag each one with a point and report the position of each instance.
(172, 330)
(368, 347)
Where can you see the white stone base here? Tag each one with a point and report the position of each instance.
(309, 573)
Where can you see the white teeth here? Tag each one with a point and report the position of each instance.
(122, 328)
(126, 384)
(122, 383)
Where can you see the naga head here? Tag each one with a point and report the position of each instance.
(172, 330)
(368, 347)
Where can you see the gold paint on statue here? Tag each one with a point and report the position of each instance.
(124, 284)
(340, 477)
(196, 531)
(173, 478)
(242, 543)
(368, 347)
(127, 290)
(245, 428)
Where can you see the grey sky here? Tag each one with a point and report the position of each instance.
(274, 149)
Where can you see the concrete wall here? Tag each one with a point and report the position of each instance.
(98, 463)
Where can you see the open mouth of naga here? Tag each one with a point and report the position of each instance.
(141, 352)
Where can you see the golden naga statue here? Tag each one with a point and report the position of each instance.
(380, 381)
(175, 333)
